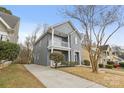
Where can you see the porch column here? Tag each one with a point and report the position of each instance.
(69, 49)
(52, 44)
(79, 58)
(51, 62)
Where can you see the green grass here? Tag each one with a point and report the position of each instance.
(16, 76)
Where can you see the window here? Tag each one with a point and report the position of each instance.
(75, 40)
(3, 37)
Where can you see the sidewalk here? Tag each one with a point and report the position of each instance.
(52, 78)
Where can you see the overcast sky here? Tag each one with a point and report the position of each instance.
(31, 16)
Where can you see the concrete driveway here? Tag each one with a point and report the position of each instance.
(52, 78)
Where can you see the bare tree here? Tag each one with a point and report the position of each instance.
(30, 41)
(95, 20)
(28, 49)
(34, 35)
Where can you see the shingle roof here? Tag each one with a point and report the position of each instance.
(71, 24)
(11, 20)
(63, 34)
(105, 47)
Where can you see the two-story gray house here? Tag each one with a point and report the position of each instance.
(9, 27)
(63, 38)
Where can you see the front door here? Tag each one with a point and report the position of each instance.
(65, 54)
(76, 57)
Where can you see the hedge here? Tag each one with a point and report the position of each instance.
(56, 57)
(110, 62)
(109, 66)
(8, 51)
(121, 64)
(101, 65)
(87, 62)
(69, 63)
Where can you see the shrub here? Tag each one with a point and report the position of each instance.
(116, 65)
(101, 65)
(109, 66)
(76, 63)
(56, 57)
(8, 51)
(110, 62)
(72, 63)
(69, 64)
(87, 62)
(82, 62)
(64, 63)
(24, 56)
(121, 64)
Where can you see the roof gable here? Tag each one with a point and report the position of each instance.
(63, 28)
(10, 20)
(59, 28)
(66, 27)
(105, 47)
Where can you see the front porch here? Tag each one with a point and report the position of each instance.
(65, 53)
(60, 42)
(67, 56)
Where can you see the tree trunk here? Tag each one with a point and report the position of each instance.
(94, 67)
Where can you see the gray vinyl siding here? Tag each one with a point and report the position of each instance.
(49, 37)
(41, 47)
(41, 51)
(48, 51)
(13, 37)
(74, 47)
(2, 27)
(14, 23)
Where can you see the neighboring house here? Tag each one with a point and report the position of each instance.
(117, 54)
(106, 54)
(109, 54)
(9, 27)
(85, 54)
(62, 38)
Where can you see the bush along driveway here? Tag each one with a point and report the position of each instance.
(53, 78)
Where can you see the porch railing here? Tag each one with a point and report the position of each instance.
(61, 43)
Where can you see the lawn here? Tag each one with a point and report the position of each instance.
(106, 79)
(16, 76)
(119, 69)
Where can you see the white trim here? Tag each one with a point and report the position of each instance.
(75, 40)
(68, 41)
(52, 36)
(68, 47)
(51, 62)
(5, 23)
(79, 56)
(68, 55)
(59, 48)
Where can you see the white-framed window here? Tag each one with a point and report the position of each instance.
(76, 40)
(3, 36)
